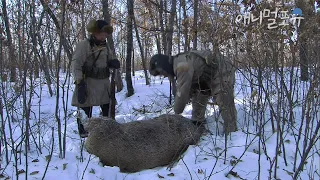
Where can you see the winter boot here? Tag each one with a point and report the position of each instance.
(82, 132)
(81, 120)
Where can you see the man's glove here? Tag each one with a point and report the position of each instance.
(114, 64)
(81, 87)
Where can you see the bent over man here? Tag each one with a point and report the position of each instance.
(200, 75)
(91, 61)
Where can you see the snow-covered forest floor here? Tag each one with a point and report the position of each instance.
(268, 143)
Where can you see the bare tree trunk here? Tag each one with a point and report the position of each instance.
(303, 39)
(32, 32)
(3, 123)
(155, 22)
(107, 17)
(60, 141)
(142, 53)
(1, 110)
(19, 35)
(303, 53)
(123, 48)
(83, 25)
(185, 25)
(129, 48)
(158, 44)
(35, 57)
(195, 22)
(66, 45)
(133, 70)
(44, 65)
(178, 25)
(12, 64)
(235, 41)
(162, 29)
(41, 61)
(146, 48)
(44, 57)
(170, 27)
(25, 73)
(169, 35)
(112, 107)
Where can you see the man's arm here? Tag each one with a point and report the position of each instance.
(112, 59)
(78, 59)
(184, 74)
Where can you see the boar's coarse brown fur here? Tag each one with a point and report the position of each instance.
(139, 145)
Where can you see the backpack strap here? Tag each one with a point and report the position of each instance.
(91, 47)
(85, 67)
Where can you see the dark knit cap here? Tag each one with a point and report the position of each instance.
(160, 61)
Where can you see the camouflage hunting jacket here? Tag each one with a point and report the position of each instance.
(198, 70)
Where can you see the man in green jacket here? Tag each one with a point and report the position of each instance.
(200, 75)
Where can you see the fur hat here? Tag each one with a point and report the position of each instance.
(95, 26)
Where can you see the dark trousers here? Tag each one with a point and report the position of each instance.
(88, 110)
(104, 108)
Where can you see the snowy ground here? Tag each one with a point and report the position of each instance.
(206, 160)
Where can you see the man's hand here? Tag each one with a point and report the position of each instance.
(114, 64)
(81, 87)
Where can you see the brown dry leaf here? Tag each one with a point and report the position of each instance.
(290, 173)
(159, 176)
(34, 173)
(35, 160)
(171, 174)
(254, 93)
(48, 157)
(235, 174)
(64, 166)
(21, 171)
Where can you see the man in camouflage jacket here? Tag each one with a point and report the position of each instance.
(200, 75)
